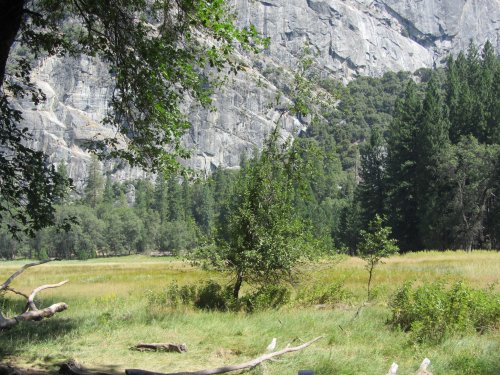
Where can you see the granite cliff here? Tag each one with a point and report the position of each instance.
(348, 37)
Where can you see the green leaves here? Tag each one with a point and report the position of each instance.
(156, 51)
(375, 245)
(433, 312)
(262, 237)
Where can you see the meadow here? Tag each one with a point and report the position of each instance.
(111, 309)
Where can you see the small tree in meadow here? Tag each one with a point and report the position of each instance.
(375, 245)
(262, 237)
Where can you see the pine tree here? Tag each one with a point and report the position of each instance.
(203, 206)
(94, 183)
(160, 201)
(371, 189)
(490, 94)
(433, 140)
(175, 199)
(402, 159)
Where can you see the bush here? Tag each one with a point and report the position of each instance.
(267, 297)
(212, 296)
(433, 312)
(320, 295)
(173, 296)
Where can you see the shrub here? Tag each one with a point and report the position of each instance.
(173, 296)
(267, 297)
(432, 312)
(212, 296)
(330, 294)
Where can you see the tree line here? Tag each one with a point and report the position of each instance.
(421, 150)
(434, 172)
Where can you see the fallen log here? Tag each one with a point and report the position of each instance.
(6, 323)
(31, 312)
(221, 370)
(165, 347)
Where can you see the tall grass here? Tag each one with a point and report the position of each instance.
(110, 312)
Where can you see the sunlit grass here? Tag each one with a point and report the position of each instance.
(109, 312)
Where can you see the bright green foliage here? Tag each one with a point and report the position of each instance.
(263, 237)
(331, 293)
(432, 312)
(211, 295)
(375, 245)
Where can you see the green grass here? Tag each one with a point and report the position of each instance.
(109, 312)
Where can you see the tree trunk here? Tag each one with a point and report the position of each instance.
(10, 22)
(237, 285)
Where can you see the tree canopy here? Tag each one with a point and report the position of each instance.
(158, 53)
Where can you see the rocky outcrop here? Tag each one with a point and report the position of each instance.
(347, 37)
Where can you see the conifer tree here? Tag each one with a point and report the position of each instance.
(402, 159)
(433, 140)
(160, 201)
(94, 183)
(371, 189)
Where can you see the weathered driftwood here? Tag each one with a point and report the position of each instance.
(165, 347)
(31, 311)
(422, 370)
(221, 370)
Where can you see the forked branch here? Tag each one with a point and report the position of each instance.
(31, 311)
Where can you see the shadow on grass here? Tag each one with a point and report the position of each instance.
(59, 328)
(24, 334)
(18, 338)
(41, 369)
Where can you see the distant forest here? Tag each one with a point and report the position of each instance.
(420, 149)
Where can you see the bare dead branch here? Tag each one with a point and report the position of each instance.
(21, 270)
(6, 323)
(10, 289)
(31, 312)
(31, 298)
(221, 370)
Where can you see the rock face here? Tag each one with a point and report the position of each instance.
(348, 38)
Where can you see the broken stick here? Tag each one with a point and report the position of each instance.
(221, 370)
